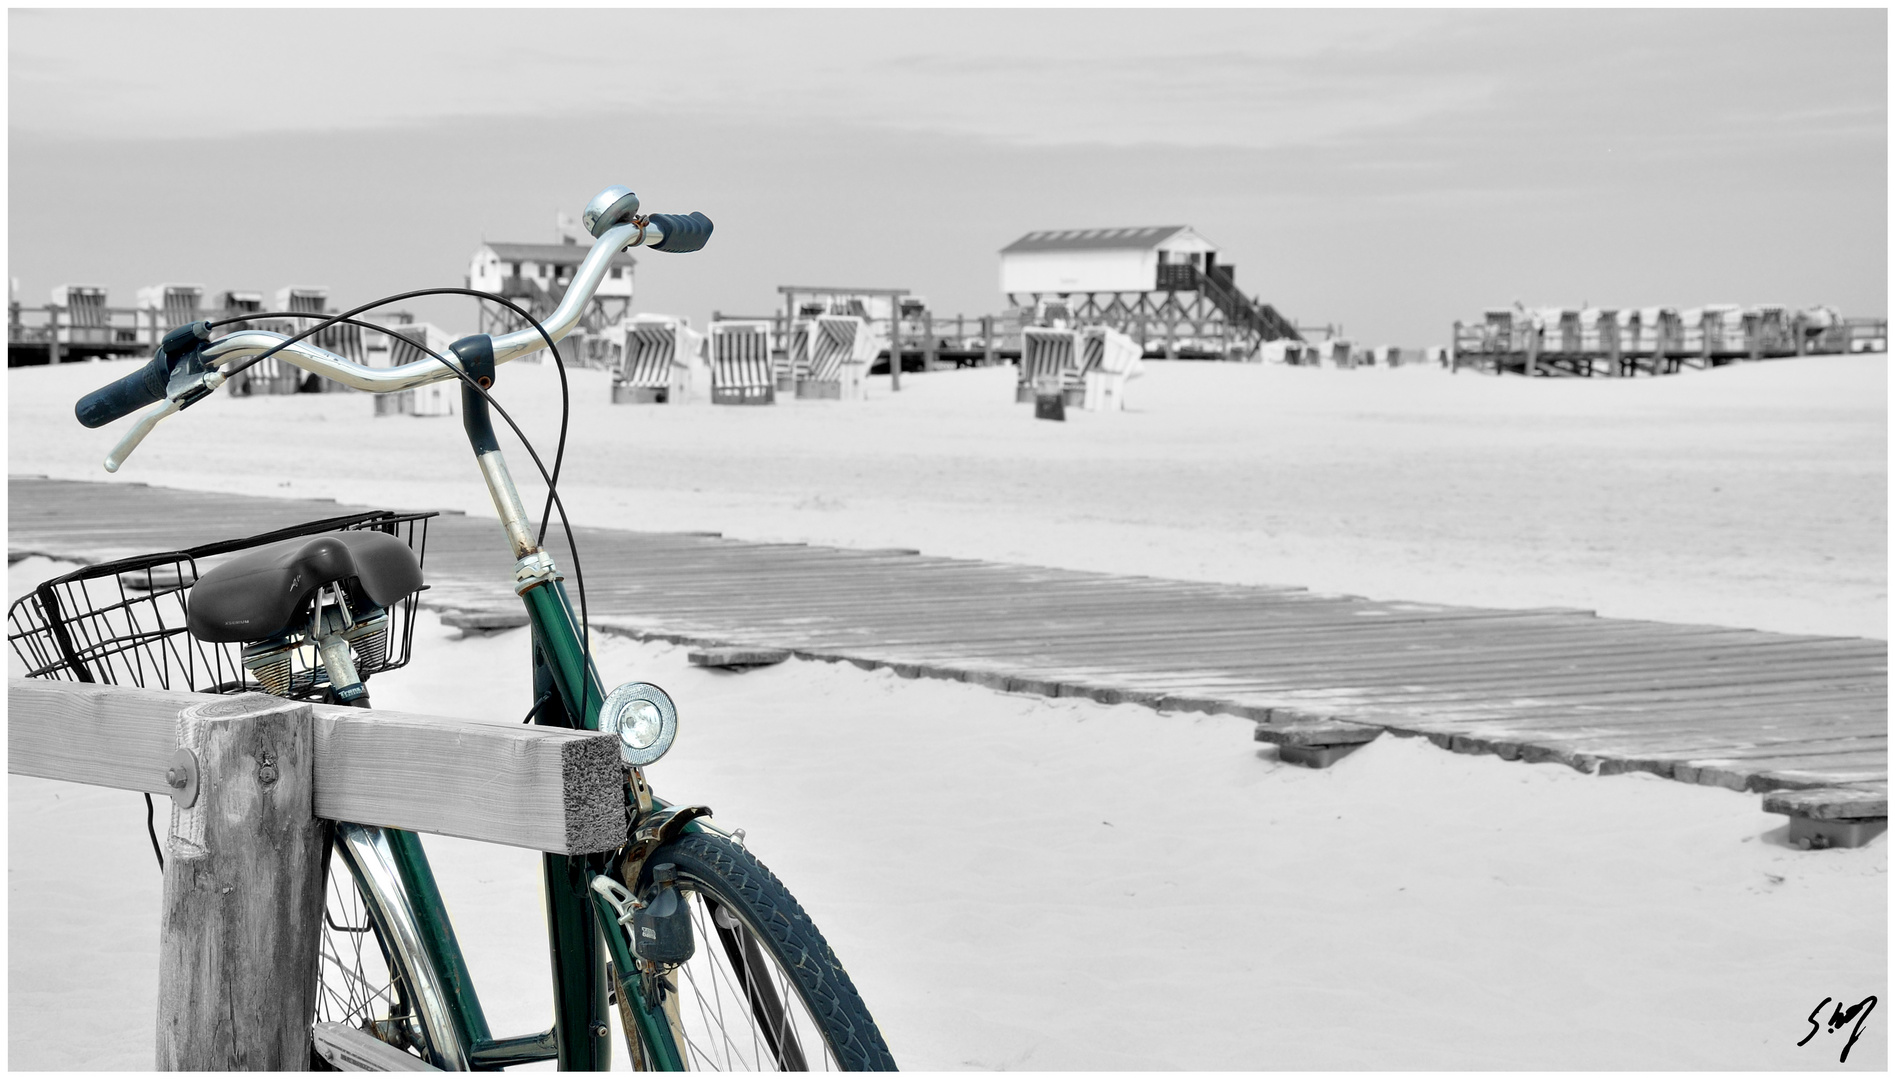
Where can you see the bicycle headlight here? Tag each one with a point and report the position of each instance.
(644, 719)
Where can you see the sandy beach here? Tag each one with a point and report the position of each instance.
(1027, 875)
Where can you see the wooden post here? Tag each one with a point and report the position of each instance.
(52, 334)
(1454, 348)
(783, 337)
(987, 335)
(243, 895)
(928, 341)
(895, 341)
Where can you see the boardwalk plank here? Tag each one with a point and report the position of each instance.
(1703, 704)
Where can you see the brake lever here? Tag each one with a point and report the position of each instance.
(182, 393)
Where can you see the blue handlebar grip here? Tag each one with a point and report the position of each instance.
(683, 232)
(133, 392)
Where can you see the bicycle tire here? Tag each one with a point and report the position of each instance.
(744, 918)
(372, 973)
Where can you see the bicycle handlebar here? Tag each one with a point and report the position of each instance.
(149, 383)
(127, 395)
(662, 232)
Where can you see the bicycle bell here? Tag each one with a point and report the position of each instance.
(616, 205)
(644, 719)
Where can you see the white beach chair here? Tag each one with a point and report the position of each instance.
(171, 306)
(1653, 338)
(839, 352)
(1724, 330)
(1051, 357)
(83, 319)
(1698, 331)
(1110, 359)
(1821, 330)
(740, 363)
(406, 344)
(796, 359)
(660, 361)
(1769, 331)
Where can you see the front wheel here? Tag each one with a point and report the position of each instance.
(762, 990)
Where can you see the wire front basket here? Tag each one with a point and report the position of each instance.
(123, 622)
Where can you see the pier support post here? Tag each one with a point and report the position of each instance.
(243, 892)
(895, 343)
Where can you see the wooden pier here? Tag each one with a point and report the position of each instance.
(1741, 709)
(1651, 341)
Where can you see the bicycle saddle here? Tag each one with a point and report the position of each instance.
(259, 594)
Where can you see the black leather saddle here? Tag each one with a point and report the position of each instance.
(261, 593)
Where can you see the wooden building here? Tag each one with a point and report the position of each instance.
(1165, 286)
(535, 276)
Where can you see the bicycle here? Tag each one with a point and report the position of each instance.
(709, 959)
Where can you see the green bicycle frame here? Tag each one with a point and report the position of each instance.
(570, 694)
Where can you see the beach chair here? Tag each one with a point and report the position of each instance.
(1724, 328)
(1820, 329)
(1698, 335)
(170, 306)
(1051, 357)
(1769, 332)
(1652, 339)
(740, 363)
(660, 362)
(795, 363)
(406, 344)
(83, 319)
(272, 376)
(342, 339)
(839, 352)
(1110, 358)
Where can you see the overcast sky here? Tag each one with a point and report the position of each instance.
(1389, 171)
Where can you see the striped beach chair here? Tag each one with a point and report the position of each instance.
(839, 351)
(657, 361)
(1109, 360)
(408, 343)
(171, 306)
(83, 319)
(1051, 357)
(740, 363)
(794, 365)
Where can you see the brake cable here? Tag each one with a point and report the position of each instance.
(552, 482)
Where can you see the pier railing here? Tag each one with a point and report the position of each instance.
(1589, 344)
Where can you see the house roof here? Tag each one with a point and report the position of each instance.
(555, 254)
(1140, 239)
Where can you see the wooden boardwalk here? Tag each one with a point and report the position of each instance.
(1742, 709)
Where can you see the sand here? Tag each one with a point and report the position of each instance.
(1745, 496)
(1028, 883)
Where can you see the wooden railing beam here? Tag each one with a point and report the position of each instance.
(547, 789)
